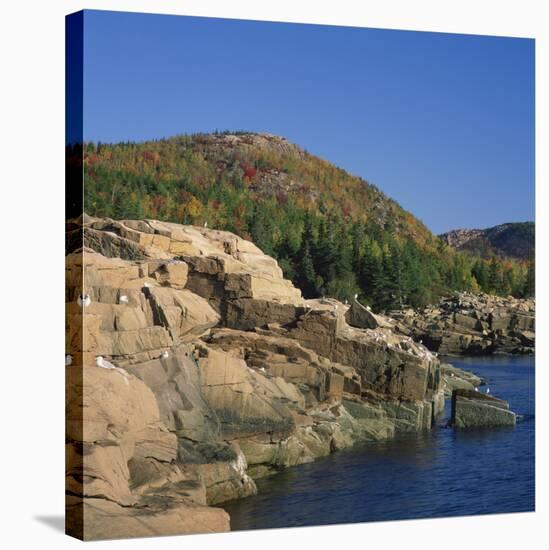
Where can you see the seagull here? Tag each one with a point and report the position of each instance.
(262, 369)
(205, 224)
(368, 308)
(487, 390)
(84, 300)
(164, 354)
(68, 360)
(356, 296)
(123, 299)
(476, 389)
(100, 362)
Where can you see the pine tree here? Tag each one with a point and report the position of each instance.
(495, 282)
(306, 276)
(529, 289)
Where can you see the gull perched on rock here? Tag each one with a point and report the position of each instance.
(123, 299)
(68, 360)
(84, 300)
(103, 363)
(100, 361)
(164, 355)
(487, 390)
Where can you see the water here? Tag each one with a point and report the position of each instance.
(441, 473)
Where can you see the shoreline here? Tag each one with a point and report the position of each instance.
(359, 451)
(210, 370)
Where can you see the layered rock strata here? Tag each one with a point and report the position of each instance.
(196, 368)
(472, 409)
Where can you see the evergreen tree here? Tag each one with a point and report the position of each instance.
(529, 289)
(306, 276)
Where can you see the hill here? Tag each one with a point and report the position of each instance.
(333, 233)
(508, 240)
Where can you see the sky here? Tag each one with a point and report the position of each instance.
(442, 123)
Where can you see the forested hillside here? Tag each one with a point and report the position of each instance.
(333, 233)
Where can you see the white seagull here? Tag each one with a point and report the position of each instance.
(356, 296)
(205, 224)
(476, 389)
(84, 300)
(123, 299)
(164, 355)
(487, 390)
(68, 360)
(104, 364)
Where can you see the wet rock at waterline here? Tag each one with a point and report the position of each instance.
(472, 409)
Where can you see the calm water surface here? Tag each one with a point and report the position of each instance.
(442, 473)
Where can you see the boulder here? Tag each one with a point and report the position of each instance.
(360, 316)
(471, 409)
(455, 378)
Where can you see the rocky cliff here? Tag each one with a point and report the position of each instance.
(194, 367)
(472, 324)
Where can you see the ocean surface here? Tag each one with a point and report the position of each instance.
(441, 473)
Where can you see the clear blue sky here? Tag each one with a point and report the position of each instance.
(442, 123)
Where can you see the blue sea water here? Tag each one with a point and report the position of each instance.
(445, 472)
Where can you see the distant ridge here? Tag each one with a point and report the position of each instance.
(508, 240)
